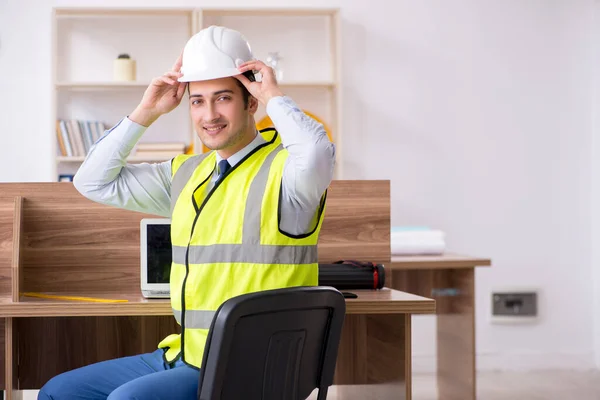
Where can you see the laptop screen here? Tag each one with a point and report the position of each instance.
(159, 252)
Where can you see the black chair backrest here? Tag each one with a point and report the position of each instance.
(273, 345)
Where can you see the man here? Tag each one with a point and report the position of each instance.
(244, 217)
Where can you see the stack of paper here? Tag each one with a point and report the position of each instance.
(417, 240)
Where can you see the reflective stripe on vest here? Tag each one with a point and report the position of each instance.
(200, 319)
(245, 253)
(183, 175)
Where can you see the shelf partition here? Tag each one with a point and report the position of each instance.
(10, 334)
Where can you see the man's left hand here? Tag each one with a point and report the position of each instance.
(264, 90)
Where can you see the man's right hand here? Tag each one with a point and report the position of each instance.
(162, 96)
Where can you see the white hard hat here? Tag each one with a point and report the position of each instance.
(214, 52)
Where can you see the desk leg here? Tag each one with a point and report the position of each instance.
(374, 360)
(2, 352)
(456, 337)
(10, 362)
(455, 325)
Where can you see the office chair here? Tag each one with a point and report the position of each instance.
(273, 345)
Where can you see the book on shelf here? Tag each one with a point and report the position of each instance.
(76, 137)
(65, 177)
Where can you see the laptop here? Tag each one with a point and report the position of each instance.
(155, 257)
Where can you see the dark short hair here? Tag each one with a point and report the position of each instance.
(245, 92)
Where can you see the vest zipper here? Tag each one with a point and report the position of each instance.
(187, 253)
(187, 250)
(187, 267)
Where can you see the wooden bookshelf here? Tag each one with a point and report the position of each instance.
(87, 40)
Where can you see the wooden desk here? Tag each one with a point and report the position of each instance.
(385, 301)
(52, 240)
(374, 358)
(450, 280)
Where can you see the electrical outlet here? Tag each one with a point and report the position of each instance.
(514, 306)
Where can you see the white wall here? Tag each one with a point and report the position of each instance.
(493, 129)
(478, 111)
(595, 184)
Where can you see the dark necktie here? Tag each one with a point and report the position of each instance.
(223, 168)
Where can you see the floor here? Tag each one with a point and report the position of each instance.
(547, 385)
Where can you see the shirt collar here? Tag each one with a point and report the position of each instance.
(237, 157)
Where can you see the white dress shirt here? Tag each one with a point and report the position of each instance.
(105, 176)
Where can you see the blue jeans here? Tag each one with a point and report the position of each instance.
(145, 376)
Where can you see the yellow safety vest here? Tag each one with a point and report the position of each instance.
(227, 241)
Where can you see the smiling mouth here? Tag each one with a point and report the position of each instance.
(213, 130)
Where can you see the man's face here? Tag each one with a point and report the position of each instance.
(220, 116)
